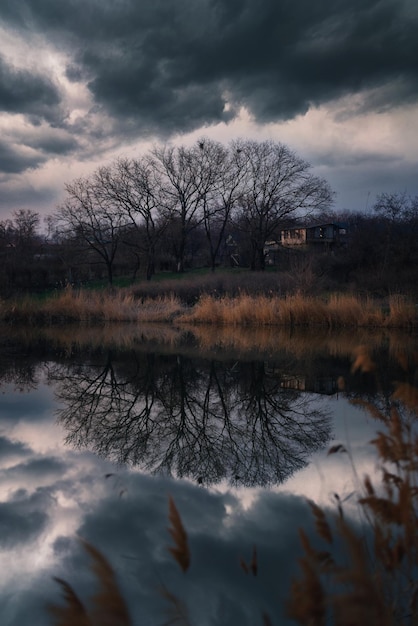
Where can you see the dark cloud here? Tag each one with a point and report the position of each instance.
(24, 92)
(171, 66)
(155, 69)
(12, 448)
(34, 407)
(36, 469)
(370, 180)
(14, 160)
(22, 519)
(25, 195)
(356, 159)
(54, 144)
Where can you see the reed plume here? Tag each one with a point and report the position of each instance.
(375, 585)
(180, 551)
(106, 608)
(73, 612)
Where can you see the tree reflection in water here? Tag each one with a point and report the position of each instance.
(206, 420)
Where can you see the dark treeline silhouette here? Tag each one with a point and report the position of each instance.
(208, 205)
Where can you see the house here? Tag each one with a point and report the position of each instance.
(327, 235)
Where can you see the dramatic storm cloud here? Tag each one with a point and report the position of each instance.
(337, 81)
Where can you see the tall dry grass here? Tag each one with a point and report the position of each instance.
(402, 312)
(122, 305)
(93, 306)
(340, 310)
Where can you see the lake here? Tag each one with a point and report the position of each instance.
(101, 426)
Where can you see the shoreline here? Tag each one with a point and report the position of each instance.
(338, 310)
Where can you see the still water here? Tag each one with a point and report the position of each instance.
(100, 426)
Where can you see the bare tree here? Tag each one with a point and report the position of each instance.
(174, 415)
(394, 207)
(278, 185)
(19, 241)
(222, 176)
(26, 223)
(395, 236)
(88, 214)
(133, 187)
(179, 190)
(184, 185)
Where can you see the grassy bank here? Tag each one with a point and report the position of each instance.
(123, 305)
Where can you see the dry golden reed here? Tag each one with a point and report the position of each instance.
(106, 608)
(338, 311)
(176, 611)
(376, 585)
(94, 306)
(117, 305)
(73, 612)
(180, 551)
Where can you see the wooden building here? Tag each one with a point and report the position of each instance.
(327, 235)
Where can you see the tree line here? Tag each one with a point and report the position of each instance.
(208, 204)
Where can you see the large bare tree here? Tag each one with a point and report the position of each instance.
(190, 176)
(278, 184)
(134, 189)
(222, 175)
(89, 215)
(182, 190)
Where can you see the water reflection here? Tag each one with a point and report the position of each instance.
(210, 405)
(208, 420)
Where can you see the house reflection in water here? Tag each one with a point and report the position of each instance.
(324, 385)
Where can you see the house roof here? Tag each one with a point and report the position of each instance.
(315, 225)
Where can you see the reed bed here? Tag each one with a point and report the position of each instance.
(348, 310)
(336, 311)
(401, 311)
(89, 306)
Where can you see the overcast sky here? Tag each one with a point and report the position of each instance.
(83, 81)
